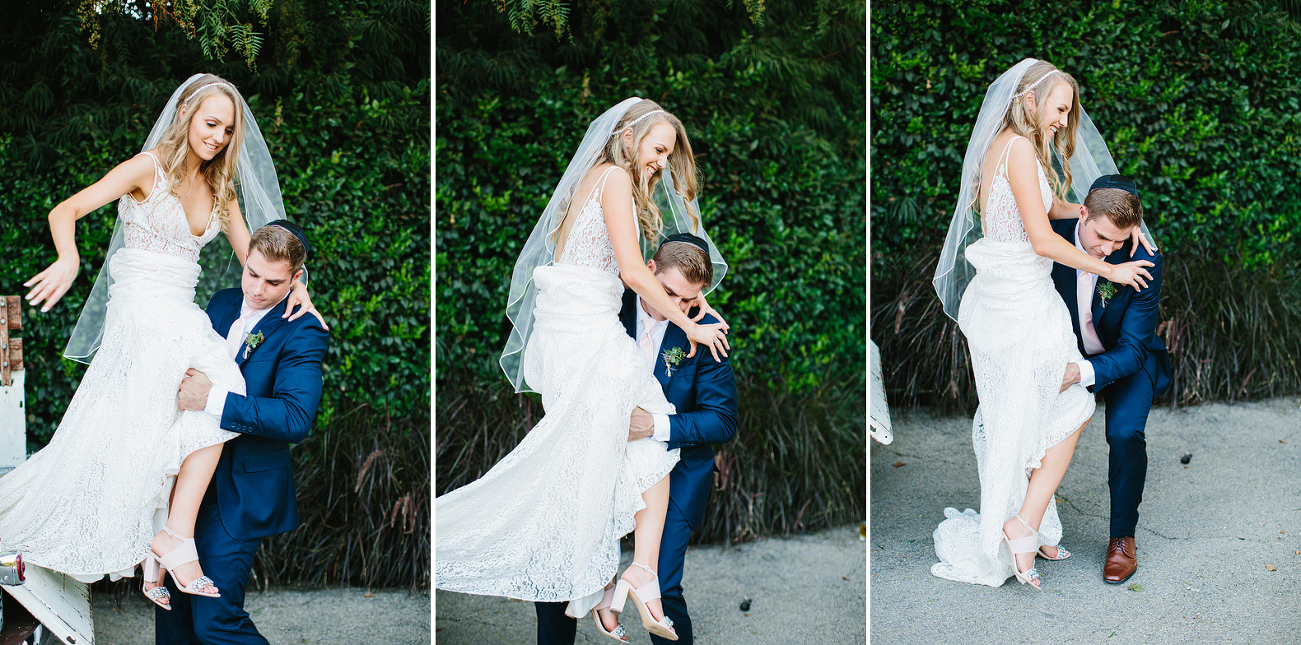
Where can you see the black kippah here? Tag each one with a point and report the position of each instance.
(1115, 181)
(297, 232)
(689, 239)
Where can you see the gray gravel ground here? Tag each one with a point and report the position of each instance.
(805, 590)
(289, 617)
(1219, 540)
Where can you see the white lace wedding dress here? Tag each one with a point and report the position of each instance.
(1020, 337)
(85, 505)
(544, 523)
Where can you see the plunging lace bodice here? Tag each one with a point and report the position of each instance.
(159, 224)
(1002, 220)
(589, 244)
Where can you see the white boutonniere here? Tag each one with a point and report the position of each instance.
(672, 358)
(252, 342)
(1106, 291)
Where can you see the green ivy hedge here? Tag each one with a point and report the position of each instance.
(1197, 101)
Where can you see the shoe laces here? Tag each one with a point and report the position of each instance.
(1119, 545)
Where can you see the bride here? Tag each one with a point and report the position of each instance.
(561, 500)
(86, 504)
(1018, 329)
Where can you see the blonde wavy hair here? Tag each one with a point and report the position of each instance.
(1025, 123)
(218, 172)
(681, 162)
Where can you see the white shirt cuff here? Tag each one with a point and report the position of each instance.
(661, 427)
(1086, 372)
(216, 402)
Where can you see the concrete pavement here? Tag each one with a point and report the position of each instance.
(1219, 539)
(289, 617)
(803, 590)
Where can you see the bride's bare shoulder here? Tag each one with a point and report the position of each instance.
(606, 175)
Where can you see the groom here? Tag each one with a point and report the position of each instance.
(1125, 359)
(252, 492)
(704, 394)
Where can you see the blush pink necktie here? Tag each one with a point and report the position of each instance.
(235, 337)
(1088, 333)
(647, 344)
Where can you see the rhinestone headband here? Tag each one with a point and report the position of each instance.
(1036, 84)
(635, 121)
(187, 99)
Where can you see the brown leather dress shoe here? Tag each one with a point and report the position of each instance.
(1122, 560)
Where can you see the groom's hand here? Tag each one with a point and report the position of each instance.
(1071, 377)
(641, 425)
(194, 390)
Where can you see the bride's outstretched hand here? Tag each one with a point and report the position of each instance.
(1137, 238)
(299, 298)
(1132, 274)
(50, 284)
(706, 310)
(713, 336)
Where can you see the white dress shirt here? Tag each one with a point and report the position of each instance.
(657, 337)
(1085, 283)
(250, 317)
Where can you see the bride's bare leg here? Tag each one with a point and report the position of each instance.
(1043, 484)
(650, 528)
(191, 484)
(646, 547)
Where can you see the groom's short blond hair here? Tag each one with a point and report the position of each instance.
(690, 259)
(1122, 207)
(279, 245)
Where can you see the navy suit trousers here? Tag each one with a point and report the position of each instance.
(1129, 400)
(554, 627)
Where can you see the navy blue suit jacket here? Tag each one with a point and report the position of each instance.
(704, 392)
(1126, 325)
(253, 486)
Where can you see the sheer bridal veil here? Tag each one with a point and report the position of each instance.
(1090, 161)
(540, 247)
(259, 201)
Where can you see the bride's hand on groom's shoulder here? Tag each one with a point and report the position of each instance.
(1132, 274)
(50, 284)
(299, 298)
(1136, 238)
(713, 336)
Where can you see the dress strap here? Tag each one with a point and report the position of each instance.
(1002, 159)
(158, 170)
(600, 183)
(158, 165)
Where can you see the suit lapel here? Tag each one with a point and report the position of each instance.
(228, 318)
(628, 313)
(1115, 301)
(1068, 284)
(673, 337)
(268, 324)
(1097, 307)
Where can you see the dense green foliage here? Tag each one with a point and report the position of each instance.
(346, 119)
(219, 25)
(776, 115)
(1198, 103)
